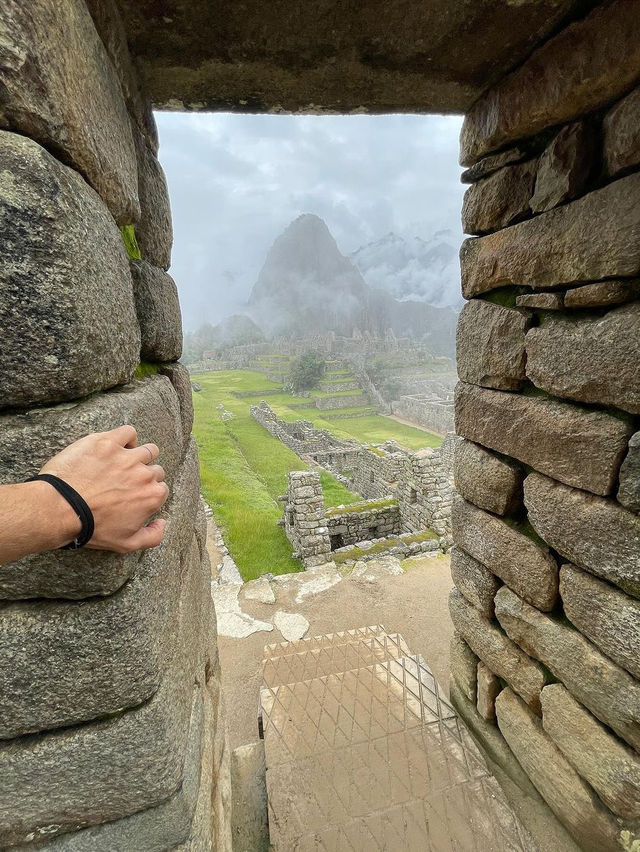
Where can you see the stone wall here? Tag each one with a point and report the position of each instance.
(111, 728)
(332, 403)
(427, 411)
(304, 520)
(425, 489)
(360, 522)
(546, 565)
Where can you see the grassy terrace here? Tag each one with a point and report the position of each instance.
(244, 469)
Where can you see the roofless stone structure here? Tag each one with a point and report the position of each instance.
(111, 724)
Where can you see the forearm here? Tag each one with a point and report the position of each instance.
(33, 518)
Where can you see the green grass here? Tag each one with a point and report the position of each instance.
(243, 470)
(319, 394)
(377, 429)
(360, 506)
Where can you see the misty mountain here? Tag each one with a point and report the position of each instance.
(307, 286)
(417, 269)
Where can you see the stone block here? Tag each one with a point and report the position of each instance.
(612, 769)
(499, 200)
(160, 827)
(609, 691)
(488, 689)
(595, 534)
(576, 358)
(493, 647)
(463, 665)
(476, 582)
(490, 740)
(492, 482)
(490, 345)
(564, 166)
(179, 377)
(158, 310)
(86, 775)
(575, 445)
(66, 302)
(604, 614)
(542, 301)
(518, 559)
(569, 797)
(250, 822)
(154, 231)
(488, 165)
(28, 440)
(629, 490)
(60, 88)
(588, 63)
(602, 294)
(592, 238)
(108, 22)
(622, 134)
(103, 654)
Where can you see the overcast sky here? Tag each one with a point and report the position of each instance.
(236, 181)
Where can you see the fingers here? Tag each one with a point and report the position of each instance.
(158, 472)
(147, 453)
(126, 436)
(149, 536)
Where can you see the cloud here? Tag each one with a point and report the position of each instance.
(236, 181)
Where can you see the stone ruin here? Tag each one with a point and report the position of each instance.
(113, 737)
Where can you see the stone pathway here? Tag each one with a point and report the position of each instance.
(363, 752)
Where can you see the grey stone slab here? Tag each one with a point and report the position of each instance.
(101, 655)
(28, 440)
(490, 345)
(60, 88)
(489, 481)
(518, 559)
(607, 616)
(499, 200)
(612, 695)
(622, 134)
(463, 665)
(569, 797)
(488, 165)
(578, 446)
(476, 582)
(154, 231)
(179, 377)
(576, 358)
(564, 167)
(568, 76)
(156, 828)
(67, 314)
(542, 301)
(158, 310)
(497, 650)
(602, 293)
(591, 532)
(592, 238)
(612, 769)
(94, 773)
(249, 803)
(629, 490)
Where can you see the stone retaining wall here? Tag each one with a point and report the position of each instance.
(111, 728)
(331, 403)
(304, 520)
(358, 522)
(427, 411)
(546, 565)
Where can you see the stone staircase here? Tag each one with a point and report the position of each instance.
(363, 753)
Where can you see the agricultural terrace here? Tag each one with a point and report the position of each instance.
(244, 469)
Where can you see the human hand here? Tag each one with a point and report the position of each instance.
(121, 485)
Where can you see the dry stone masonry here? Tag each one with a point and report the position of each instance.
(546, 561)
(112, 733)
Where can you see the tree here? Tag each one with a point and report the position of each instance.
(306, 371)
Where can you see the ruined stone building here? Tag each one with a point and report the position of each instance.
(111, 725)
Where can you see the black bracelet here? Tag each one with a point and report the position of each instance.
(78, 505)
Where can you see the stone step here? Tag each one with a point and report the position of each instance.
(374, 757)
(332, 659)
(310, 643)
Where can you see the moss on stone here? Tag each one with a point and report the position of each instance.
(130, 243)
(366, 506)
(145, 369)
